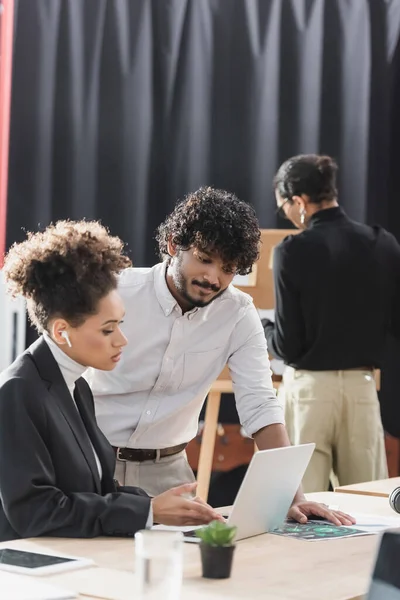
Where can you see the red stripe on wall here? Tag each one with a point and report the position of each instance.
(6, 48)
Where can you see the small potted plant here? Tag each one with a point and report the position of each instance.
(217, 549)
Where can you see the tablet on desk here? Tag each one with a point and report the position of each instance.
(36, 563)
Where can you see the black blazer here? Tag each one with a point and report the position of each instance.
(49, 481)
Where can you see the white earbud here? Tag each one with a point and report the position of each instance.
(65, 335)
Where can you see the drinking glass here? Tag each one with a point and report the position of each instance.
(159, 564)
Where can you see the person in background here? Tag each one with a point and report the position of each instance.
(56, 467)
(335, 286)
(188, 321)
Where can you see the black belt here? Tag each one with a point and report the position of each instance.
(139, 455)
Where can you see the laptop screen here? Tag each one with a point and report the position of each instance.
(386, 576)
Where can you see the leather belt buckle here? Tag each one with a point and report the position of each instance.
(119, 455)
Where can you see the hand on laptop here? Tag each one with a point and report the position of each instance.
(303, 510)
(171, 508)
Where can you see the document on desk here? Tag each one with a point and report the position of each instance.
(23, 587)
(107, 584)
(182, 528)
(323, 530)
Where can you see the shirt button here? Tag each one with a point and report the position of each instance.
(148, 412)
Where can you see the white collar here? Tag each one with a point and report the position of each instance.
(164, 296)
(70, 369)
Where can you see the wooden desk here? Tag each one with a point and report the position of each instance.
(382, 487)
(373, 505)
(266, 567)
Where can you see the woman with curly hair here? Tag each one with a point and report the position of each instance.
(56, 467)
(193, 322)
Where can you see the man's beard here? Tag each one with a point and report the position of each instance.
(181, 285)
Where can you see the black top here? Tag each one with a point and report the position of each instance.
(49, 481)
(336, 285)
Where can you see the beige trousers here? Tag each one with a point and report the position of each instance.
(155, 476)
(339, 411)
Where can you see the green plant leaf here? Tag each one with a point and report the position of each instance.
(217, 533)
(205, 535)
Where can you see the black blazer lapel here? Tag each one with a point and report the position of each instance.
(51, 374)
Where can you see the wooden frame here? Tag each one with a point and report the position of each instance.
(261, 281)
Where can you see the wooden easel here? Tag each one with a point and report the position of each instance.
(260, 286)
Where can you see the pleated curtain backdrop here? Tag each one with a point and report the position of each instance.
(119, 107)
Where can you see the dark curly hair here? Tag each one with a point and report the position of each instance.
(214, 221)
(65, 270)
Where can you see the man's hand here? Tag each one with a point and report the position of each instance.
(301, 511)
(170, 508)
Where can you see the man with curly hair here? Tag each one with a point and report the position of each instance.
(185, 321)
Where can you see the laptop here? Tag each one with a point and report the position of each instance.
(266, 492)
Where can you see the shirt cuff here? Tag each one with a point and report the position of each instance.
(150, 521)
(272, 417)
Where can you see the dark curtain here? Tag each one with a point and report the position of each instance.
(119, 107)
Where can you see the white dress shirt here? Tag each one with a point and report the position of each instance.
(154, 396)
